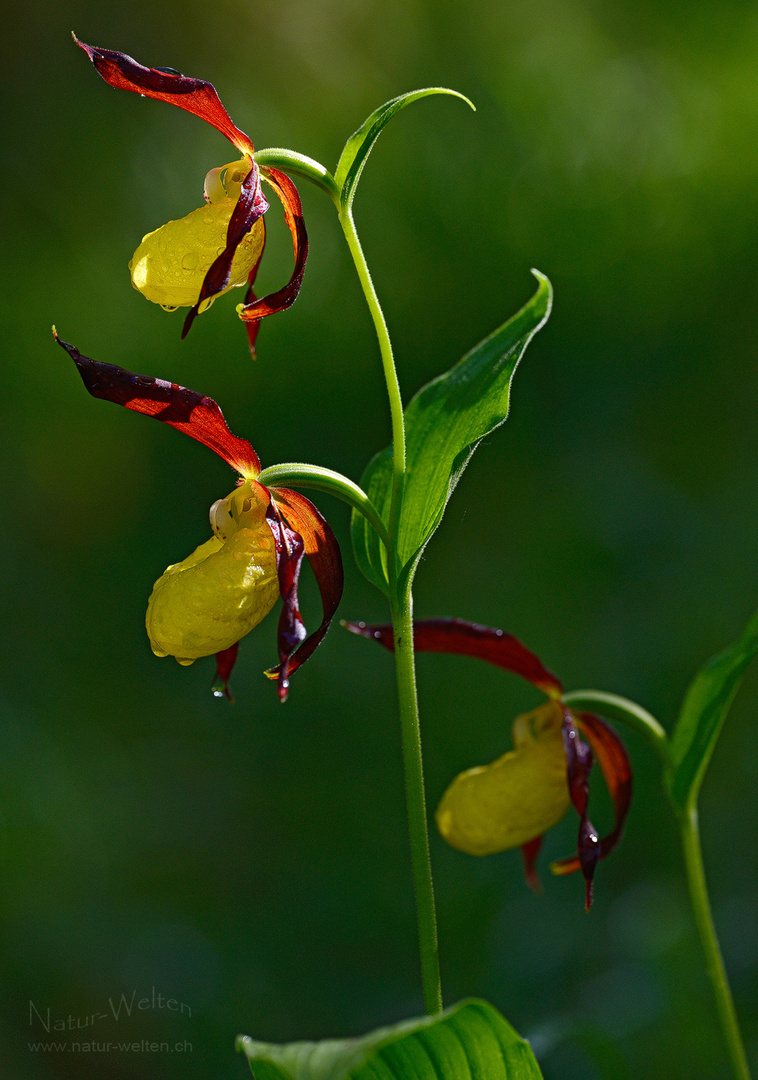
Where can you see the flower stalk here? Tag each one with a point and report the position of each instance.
(401, 605)
(418, 832)
(390, 378)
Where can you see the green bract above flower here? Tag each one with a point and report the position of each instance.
(190, 262)
(514, 800)
(206, 603)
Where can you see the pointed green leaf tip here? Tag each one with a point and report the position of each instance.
(444, 424)
(359, 145)
(470, 1041)
(705, 708)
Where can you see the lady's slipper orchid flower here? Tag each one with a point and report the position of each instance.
(203, 605)
(513, 801)
(188, 263)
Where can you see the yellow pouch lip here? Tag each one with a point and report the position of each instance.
(225, 587)
(171, 262)
(514, 799)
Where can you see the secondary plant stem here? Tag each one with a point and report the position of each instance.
(693, 861)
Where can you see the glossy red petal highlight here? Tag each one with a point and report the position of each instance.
(617, 772)
(323, 554)
(193, 95)
(470, 639)
(186, 410)
(225, 662)
(251, 205)
(290, 549)
(293, 214)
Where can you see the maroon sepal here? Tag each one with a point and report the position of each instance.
(225, 662)
(578, 766)
(323, 554)
(293, 214)
(289, 560)
(251, 206)
(186, 410)
(470, 639)
(529, 853)
(193, 95)
(250, 298)
(617, 773)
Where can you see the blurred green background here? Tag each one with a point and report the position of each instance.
(250, 862)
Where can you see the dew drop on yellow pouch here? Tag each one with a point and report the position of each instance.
(170, 264)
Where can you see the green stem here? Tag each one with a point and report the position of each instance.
(300, 474)
(390, 377)
(402, 621)
(625, 712)
(290, 161)
(693, 861)
(628, 712)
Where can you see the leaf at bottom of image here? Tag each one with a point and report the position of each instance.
(469, 1041)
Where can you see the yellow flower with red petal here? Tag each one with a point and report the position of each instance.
(192, 261)
(204, 605)
(515, 799)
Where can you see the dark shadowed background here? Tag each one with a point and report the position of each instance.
(249, 863)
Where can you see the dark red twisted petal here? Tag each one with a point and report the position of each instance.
(186, 410)
(251, 205)
(193, 95)
(529, 852)
(614, 765)
(578, 766)
(293, 215)
(250, 298)
(470, 639)
(323, 554)
(290, 549)
(225, 662)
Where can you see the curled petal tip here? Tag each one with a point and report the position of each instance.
(195, 414)
(529, 853)
(225, 661)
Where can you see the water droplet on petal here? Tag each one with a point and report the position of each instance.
(190, 261)
(220, 688)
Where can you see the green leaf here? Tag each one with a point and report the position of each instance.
(359, 145)
(448, 418)
(444, 423)
(470, 1041)
(705, 707)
